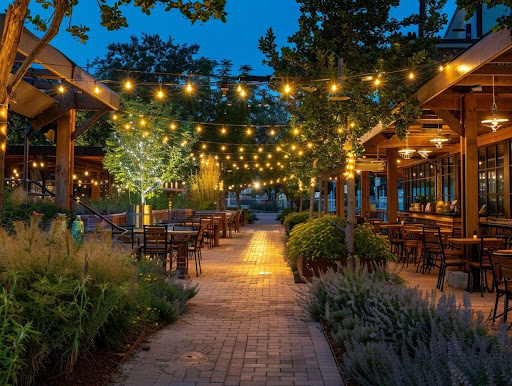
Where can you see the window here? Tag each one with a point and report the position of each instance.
(491, 187)
(448, 179)
(419, 180)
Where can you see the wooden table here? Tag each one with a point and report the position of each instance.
(504, 251)
(182, 255)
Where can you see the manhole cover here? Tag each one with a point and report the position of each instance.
(190, 358)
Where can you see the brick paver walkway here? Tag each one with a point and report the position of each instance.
(245, 319)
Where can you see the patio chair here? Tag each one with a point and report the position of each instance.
(447, 261)
(483, 265)
(194, 249)
(395, 241)
(157, 242)
(411, 245)
(432, 250)
(231, 222)
(502, 281)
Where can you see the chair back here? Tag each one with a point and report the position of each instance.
(394, 233)
(433, 242)
(501, 264)
(487, 246)
(156, 239)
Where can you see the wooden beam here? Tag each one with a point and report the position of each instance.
(469, 147)
(485, 80)
(450, 119)
(392, 185)
(64, 160)
(98, 114)
(326, 196)
(482, 52)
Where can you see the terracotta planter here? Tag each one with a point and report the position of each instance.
(308, 270)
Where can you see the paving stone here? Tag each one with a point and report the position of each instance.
(245, 319)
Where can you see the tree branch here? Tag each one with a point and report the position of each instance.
(60, 10)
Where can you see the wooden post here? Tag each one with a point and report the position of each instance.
(351, 214)
(469, 157)
(365, 194)
(64, 161)
(392, 185)
(506, 177)
(326, 196)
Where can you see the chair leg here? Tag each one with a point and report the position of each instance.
(195, 258)
(199, 260)
(505, 309)
(496, 306)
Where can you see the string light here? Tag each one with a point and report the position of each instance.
(61, 89)
(97, 90)
(296, 131)
(411, 75)
(166, 138)
(204, 146)
(199, 129)
(249, 131)
(223, 130)
(128, 85)
(260, 149)
(310, 145)
(376, 82)
(441, 68)
(172, 126)
(127, 126)
(223, 148)
(160, 94)
(189, 88)
(334, 87)
(114, 117)
(272, 132)
(287, 89)
(142, 122)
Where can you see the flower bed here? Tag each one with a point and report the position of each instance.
(59, 299)
(390, 334)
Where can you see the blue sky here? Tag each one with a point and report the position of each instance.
(237, 39)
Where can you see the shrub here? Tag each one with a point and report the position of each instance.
(120, 203)
(58, 299)
(317, 238)
(18, 206)
(391, 334)
(285, 212)
(371, 246)
(161, 299)
(251, 217)
(295, 218)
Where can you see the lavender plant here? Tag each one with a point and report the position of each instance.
(392, 334)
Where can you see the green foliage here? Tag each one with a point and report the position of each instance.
(160, 299)
(285, 212)
(144, 153)
(58, 299)
(251, 217)
(204, 185)
(180, 202)
(20, 207)
(112, 17)
(371, 246)
(394, 335)
(295, 218)
(317, 238)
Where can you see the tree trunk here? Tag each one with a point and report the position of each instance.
(312, 198)
(351, 214)
(300, 201)
(320, 202)
(11, 35)
(237, 197)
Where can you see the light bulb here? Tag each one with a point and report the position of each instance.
(189, 88)
(172, 126)
(61, 89)
(411, 75)
(160, 94)
(223, 130)
(128, 85)
(287, 89)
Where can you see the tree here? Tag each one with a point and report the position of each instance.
(503, 21)
(204, 185)
(143, 153)
(111, 17)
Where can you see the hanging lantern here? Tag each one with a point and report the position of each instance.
(407, 152)
(495, 121)
(439, 139)
(424, 153)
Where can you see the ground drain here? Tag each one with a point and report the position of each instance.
(190, 358)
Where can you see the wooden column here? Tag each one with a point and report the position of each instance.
(326, 196)
(95, 190)
(469, 157)
(506, 178)
(439, 180)
(392, 185)
(365, 194)
(64, 161)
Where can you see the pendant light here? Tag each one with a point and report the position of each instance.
(495, 121)
(407, 152)
(424, 153)
(439, 139)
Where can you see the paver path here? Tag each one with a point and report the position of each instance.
(245, 320)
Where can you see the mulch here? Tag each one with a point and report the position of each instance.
(96, 368)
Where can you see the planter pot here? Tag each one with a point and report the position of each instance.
(139, 215)
(309, 269)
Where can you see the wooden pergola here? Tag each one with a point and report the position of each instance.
(38, 98)
(455, 100)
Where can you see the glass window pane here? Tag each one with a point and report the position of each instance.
(482, 184)
(481, 201)
(500, 181)
(491, 157)
(481, 158)
(501, 155)
(491, 175)
(492, 205)
(501, 205)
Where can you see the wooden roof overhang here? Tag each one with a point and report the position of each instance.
(36, 97)
(441, 97)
